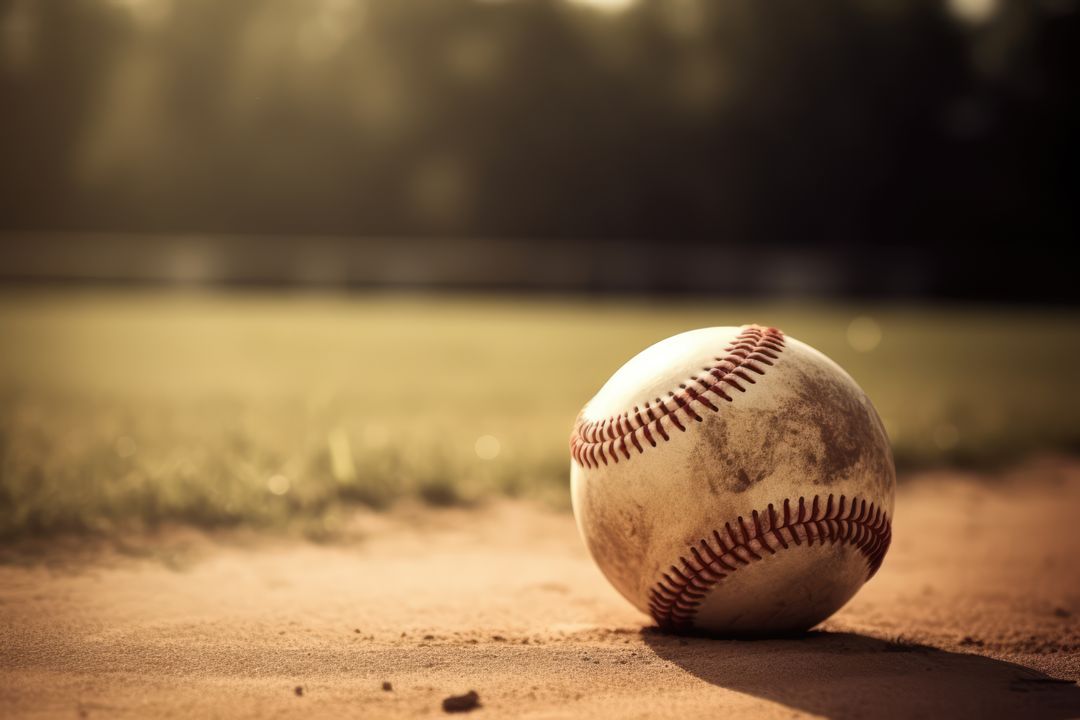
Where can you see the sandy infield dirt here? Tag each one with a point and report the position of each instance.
(976, 613)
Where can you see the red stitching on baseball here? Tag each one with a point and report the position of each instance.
(674, 599)
(597, 441)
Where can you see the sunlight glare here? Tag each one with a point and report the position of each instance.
(612, 6)
(973, 12)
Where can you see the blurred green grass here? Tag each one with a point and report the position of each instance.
(129, 409)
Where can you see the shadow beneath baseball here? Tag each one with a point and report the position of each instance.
(845, 675)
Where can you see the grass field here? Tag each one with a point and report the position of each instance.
(128, 409)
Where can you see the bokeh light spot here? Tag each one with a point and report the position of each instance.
(864, 334)
(341, 458)
(125, 446)
(487, 447)
(278, 484)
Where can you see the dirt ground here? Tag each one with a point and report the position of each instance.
(976, 613)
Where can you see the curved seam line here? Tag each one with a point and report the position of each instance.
(675, 598)
(749, 350)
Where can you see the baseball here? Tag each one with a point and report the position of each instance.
(733, 481)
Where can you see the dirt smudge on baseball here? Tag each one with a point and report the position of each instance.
(851, 439)
(824, 433)
(844, 429)
(726, 461)
(618, 537)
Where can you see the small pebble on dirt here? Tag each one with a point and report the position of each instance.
(1062, 612)
(299, 690)
(429, 637)
(968, 640)
(498, 638)
(387, 687)
(461, 703)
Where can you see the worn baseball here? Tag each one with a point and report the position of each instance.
(733, 481)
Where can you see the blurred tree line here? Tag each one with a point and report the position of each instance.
(928, 122)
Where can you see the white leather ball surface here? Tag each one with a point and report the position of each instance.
(733, 481)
